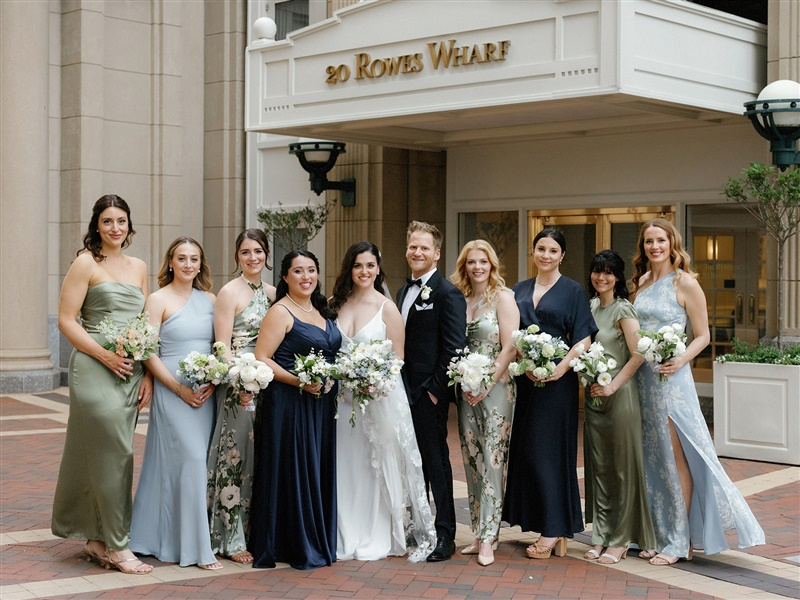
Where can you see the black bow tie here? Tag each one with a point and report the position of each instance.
(412, 281)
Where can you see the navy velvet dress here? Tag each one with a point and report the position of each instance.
(542, 487)
(293, 514)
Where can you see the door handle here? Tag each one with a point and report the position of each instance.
(751, 309)
(739, 308)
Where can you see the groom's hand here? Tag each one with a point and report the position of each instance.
(433, 398)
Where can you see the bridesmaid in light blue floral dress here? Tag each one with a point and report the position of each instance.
(692, 500)
(241, 306)
(484, 420)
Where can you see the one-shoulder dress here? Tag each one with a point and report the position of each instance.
(717, 505)
(379, 473)
(93, 494)
(294, 484)
(231, 457)
(170, 516)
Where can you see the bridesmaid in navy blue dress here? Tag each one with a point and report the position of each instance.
(294, 488)
(542, 487)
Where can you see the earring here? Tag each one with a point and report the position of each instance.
(169, 269)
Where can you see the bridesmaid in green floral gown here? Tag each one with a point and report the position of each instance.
(93, 498)
(484, 420)
(241, 305)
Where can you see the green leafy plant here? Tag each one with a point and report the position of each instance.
(765, 355)
(773, 199)
(293, 229)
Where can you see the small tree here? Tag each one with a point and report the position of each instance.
(293, 229)
(775, 201)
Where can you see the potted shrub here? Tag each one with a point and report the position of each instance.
(757, 388)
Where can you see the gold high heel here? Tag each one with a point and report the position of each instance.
(559, 548)
(109, 563)
(89, 555)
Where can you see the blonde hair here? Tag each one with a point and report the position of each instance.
(680, 259)
(461, 280)
(422, 227)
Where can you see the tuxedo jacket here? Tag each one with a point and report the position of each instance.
(435, 329)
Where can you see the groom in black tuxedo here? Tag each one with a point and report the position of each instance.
(435, 314)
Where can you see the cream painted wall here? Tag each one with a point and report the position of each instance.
(672, 167)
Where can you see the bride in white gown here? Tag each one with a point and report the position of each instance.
(381, 498)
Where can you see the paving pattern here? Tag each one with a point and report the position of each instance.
(35, 564)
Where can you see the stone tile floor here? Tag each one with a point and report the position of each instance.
(34, 564)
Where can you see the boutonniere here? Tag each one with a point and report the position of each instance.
(425, 293)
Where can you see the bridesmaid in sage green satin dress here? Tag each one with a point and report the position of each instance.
(93, 495)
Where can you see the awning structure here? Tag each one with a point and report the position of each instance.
(436, 74)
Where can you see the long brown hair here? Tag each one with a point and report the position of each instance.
(680, 259)
(201, 282)
(91, 241)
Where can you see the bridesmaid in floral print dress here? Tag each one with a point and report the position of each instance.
(484, 420)
(241, 305)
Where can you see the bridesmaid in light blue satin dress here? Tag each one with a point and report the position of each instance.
(170, 515)
(692, 500)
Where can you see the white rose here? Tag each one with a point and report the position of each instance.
(644, 345)
(540, 372)
(548, 351)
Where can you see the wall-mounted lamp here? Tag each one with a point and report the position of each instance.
(775, 114)
(318, 158)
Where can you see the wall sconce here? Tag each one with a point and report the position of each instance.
(317, 159)
(775, 114)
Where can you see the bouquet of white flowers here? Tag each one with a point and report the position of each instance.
(313, 368)
(370, 370)
(247, 374)
(660, 346)
(137, 339)
(202, 369)
(538, 350)
(473, 371)
(593, 366)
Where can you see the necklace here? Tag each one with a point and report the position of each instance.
(547, 284)
(308, 310)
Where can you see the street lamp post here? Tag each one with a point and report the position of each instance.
(775, 114)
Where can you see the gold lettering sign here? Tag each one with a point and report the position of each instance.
(442, 55)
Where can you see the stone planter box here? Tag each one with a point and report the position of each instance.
(757, 412)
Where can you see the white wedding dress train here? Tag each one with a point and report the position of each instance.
(381, 497)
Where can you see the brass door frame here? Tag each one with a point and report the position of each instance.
(603, 218)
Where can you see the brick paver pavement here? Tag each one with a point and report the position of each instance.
(34, 564)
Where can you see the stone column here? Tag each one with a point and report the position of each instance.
(24, 144)
(783, 62)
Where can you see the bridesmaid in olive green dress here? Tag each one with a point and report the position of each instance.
(93, 495)
(484, 420)
(616, 500)
(241, 305)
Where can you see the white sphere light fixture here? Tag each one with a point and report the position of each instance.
(775, 115)
(265, 28)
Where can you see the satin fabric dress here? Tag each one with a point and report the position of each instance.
(717, 505)
(170, 514)
(294, 484)
(232, 456)
(93, 495)
(484, 433)
(379, 473)
(542, 491)
(616, 498)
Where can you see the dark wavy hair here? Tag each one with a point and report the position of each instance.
(554, 233)
(344, 281)
(251, 234)
(202, 280)
(91, 241)
(318, 300)
(608, 261)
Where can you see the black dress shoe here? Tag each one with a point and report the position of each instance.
(444, 550)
